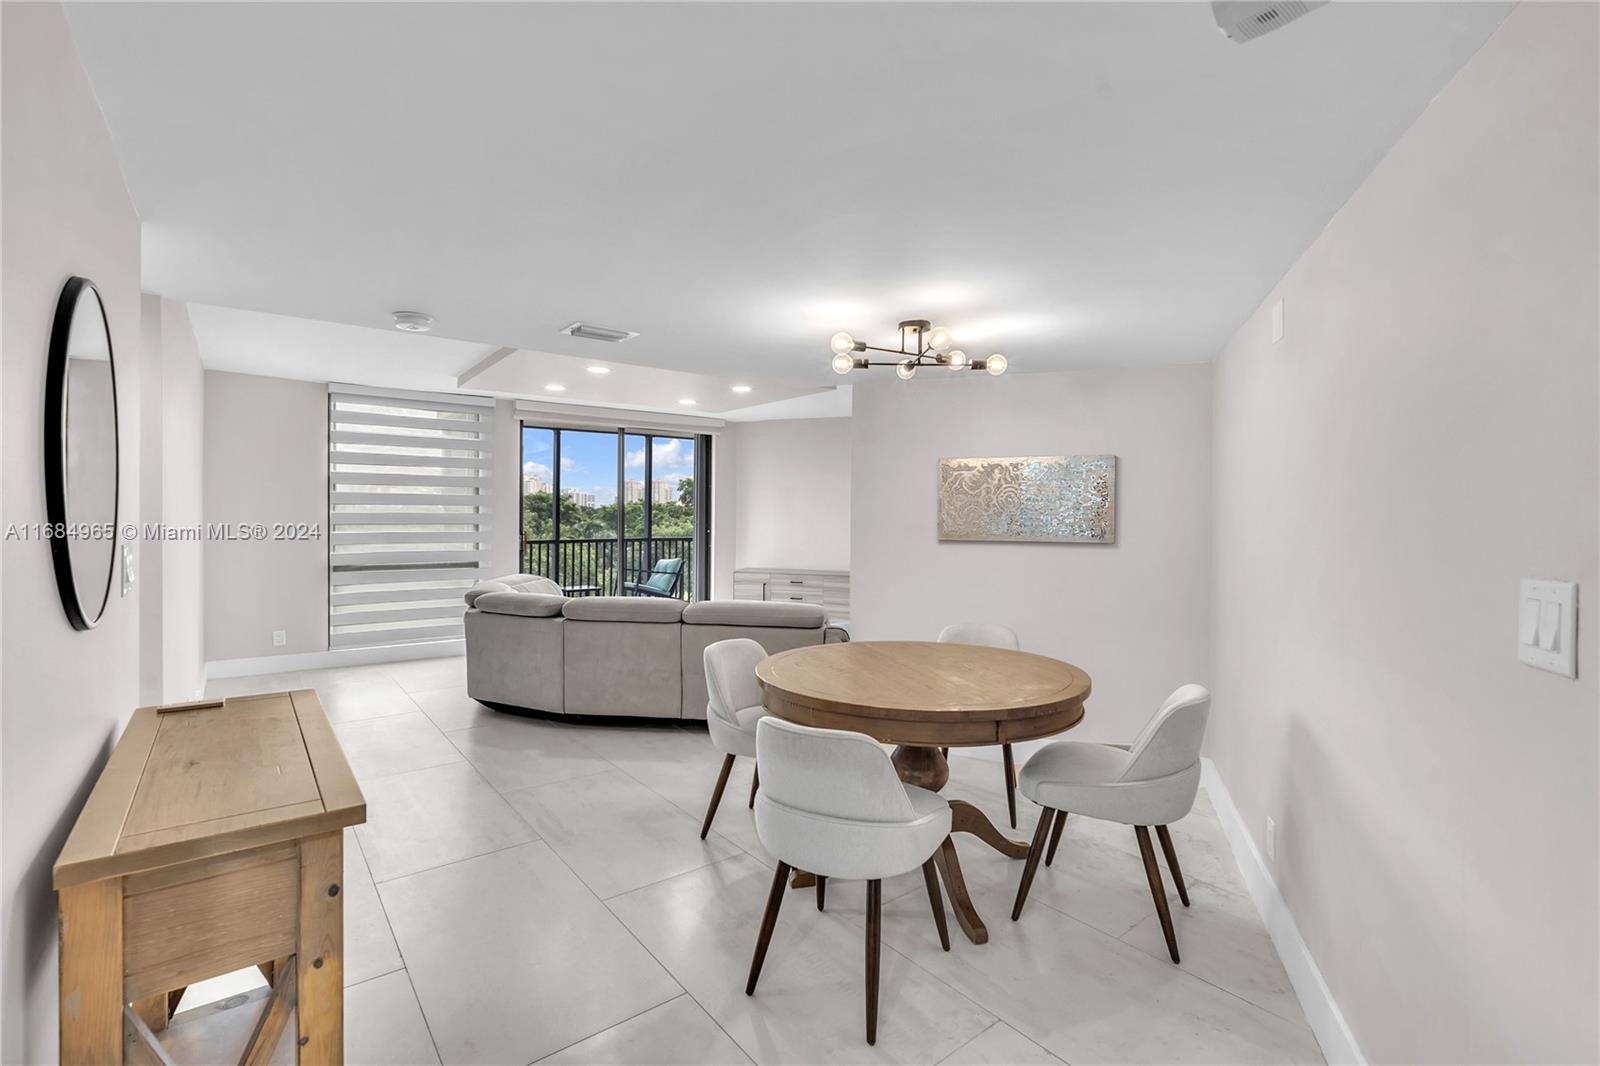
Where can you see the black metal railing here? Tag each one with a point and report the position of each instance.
(588, 567)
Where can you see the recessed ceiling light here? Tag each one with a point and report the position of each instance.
(741, 388)
(688, 402)
(413, 321)
(598, 371)
(555, 388)
(590, 332)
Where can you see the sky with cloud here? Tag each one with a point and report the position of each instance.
(589, 460)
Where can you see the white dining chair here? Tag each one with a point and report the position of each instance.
(1151, 782)
(990, 635)
(733, 707)
(832, 805)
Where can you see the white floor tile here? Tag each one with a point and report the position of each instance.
(1088, 997)
(223, 687)
(616, 834)
(369, 948)
(1001, 1045)
(513, 958)
(513, 752)
(393, 744)
(427, 675)
(678, 1032)
(376, 697)
(810, 1005)
(451, 708)
(425, 818)
(1221, 939)
(383, 1026)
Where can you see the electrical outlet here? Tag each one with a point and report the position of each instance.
(1272, 839)
(280, 637)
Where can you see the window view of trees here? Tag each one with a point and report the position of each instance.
(585, 476)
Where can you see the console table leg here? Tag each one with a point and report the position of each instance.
(91, 973)
(319, 958)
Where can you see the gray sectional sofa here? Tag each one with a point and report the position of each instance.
(529, 646)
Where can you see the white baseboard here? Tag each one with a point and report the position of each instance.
(318, 660)
(1316, 999)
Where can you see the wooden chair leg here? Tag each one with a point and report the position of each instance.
(1055, 837)
(822, 891)
(1172, 862)
(1152, 872)
(716, 795)
(769, 921)
(1011, 783)
(930, 877)
(874, 942)
(755, 784)
(1035, 853)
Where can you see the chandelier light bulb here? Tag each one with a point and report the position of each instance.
(842, 344)
(843, 363)
(958, 360)
(996, 364)
(939, 339)
(905, 370)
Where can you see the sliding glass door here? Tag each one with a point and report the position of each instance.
(616, 513)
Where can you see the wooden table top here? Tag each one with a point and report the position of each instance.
(195, 780)
(923, 692)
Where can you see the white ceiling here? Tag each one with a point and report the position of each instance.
(253, 342)
(1074, 185)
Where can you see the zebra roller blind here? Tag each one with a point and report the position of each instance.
(408, 512)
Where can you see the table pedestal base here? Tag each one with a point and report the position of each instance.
(927, 768)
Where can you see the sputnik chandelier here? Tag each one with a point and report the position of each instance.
(921, 345)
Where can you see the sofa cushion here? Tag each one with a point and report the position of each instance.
(623, 609)
(755, 613)
(528, 604)
(513, 583)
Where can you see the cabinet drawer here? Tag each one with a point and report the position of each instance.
(779, 583)
(788, 594)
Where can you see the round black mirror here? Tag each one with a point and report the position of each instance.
(80, 453)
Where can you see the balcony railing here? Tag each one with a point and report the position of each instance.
(589, 567)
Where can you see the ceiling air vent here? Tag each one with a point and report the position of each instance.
(1245, 21)
(598, 333)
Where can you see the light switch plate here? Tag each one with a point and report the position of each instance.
(129, 575)
(1547, 626)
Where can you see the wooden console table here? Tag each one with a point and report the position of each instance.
(212, 842)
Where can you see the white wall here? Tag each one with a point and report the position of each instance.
(792, 494)
(1134, 614)
(1424, 436)
(64, 695)
(266, 461)
(172, 606)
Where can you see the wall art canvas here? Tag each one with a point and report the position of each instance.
(1057, 498)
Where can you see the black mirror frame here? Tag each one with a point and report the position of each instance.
(55, 470)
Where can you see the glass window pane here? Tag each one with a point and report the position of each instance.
(672, 509)
(588, 485)
(538, 494)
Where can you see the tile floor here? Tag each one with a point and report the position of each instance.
(536, 891)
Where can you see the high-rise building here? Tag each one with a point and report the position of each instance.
(633, 492)
(534, 484)
(664, 491)
(579, 498)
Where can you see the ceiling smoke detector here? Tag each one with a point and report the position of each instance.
(598, 333)
(413, 321)
(1241, 20)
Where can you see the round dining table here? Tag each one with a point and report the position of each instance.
(924, 696)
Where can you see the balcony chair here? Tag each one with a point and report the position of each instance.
(831, 804)
(989, 635)
(663, 580)
(1152, 782)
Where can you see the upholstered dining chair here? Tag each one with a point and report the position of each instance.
(989, 635)
(1151, 782)
(832, 805)
(732, 710)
